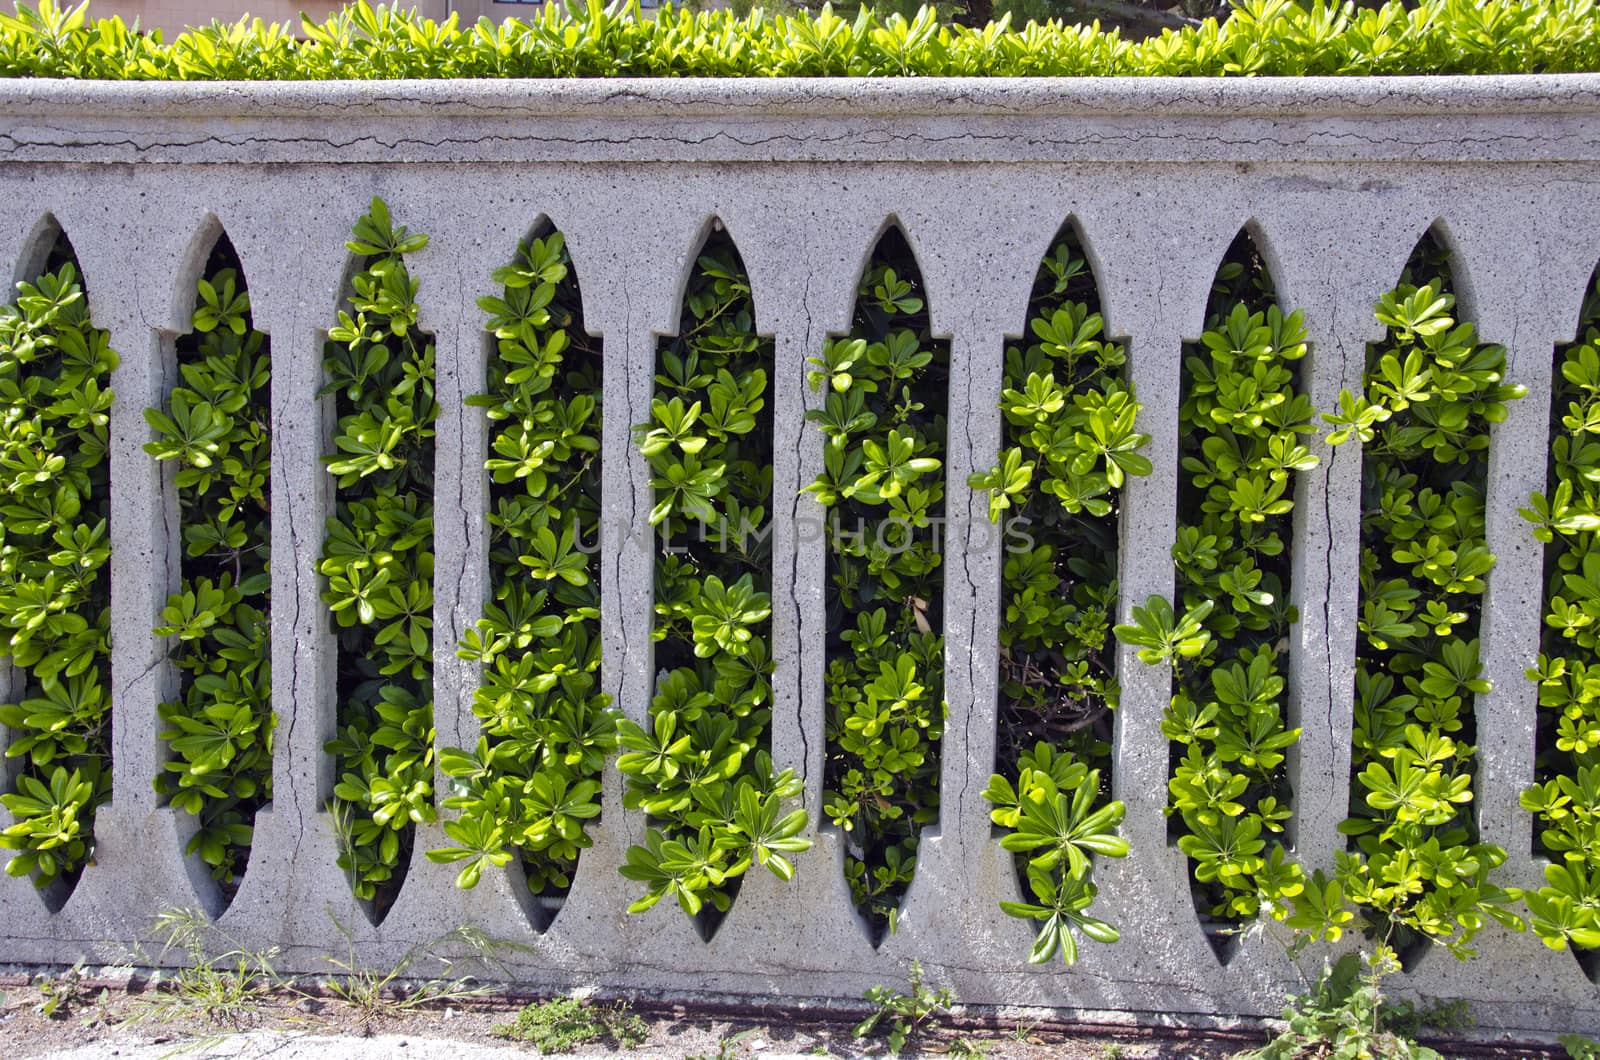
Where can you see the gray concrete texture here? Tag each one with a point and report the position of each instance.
(1335, 181)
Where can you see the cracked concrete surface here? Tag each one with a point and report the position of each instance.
(1337, 179)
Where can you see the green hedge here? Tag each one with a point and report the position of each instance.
(1261, 37)
(55, 581)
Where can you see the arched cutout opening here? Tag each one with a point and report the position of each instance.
(1424, 568)
(706, 760)
(57, 709)
(1243, 424)
(215, 427)
(1059, 526)
(1567, 763)
(377, 557)
(546, 730)
(886, 385)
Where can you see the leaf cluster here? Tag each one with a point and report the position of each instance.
(378, 559)
(1054, 824)
(55, 405)
(592, 39)
(215, 429)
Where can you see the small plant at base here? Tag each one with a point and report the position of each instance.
(554, 1026)
(904, 1014)
(377, 992)
(563, 1023)
(60, 993)
(223, 987)
(965, 1047)
(1407, 1018)
(727, 1046)
(1344, 1017)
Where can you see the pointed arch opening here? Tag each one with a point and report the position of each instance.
(885, 387)
(1244, 418)
(1424, 569)
(214, 431)
(377, 558)
(1060, 526)
(1562, 910)
(56, 712)
(546, 728)
(702, 764)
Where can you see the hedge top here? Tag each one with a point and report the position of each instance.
(1260, 38)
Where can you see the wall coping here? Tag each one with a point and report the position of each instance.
(1305, 97)
(935, 120)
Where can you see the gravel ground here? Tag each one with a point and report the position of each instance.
(107, 1018)
(98, 1018)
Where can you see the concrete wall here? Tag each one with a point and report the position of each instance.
(1336, 180)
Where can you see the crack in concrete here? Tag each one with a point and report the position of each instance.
(971, 584)
(1276, 142)
(802, 655)
(292, 749)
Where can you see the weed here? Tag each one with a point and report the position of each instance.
(1407, 1019)
(965, 1048)
(60, 994)
(376, 992)
(563, 1023)
(727, 1048)
(1580, 1048)
(224, 988)
(1345, 1016)
(553, 1026)
(623, 1027)
(905, 1014)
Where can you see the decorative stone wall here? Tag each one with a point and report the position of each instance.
(1335, 180)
